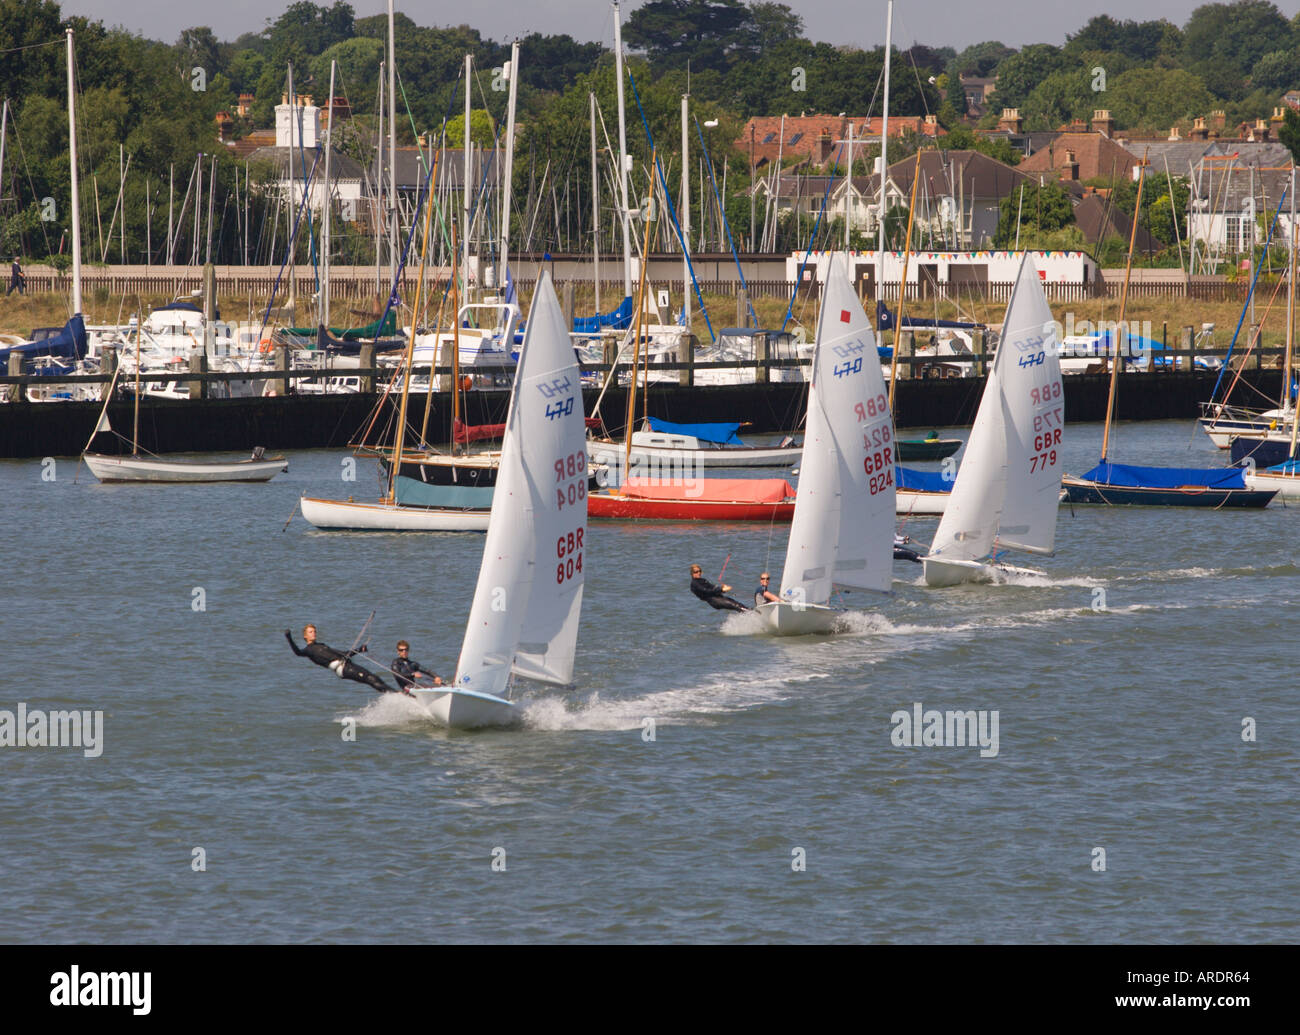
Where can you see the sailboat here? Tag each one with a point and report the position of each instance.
(1008, 489)
(842, 535)
(1124, 484)
(524, 620)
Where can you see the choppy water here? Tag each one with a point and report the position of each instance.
(1121, 682)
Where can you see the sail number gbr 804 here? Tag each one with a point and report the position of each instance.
(879, 462)
(570, 491)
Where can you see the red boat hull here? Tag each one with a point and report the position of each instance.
(601, 505)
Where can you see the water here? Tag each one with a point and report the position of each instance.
(1121, 680)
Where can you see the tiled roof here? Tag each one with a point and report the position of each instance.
(802, 132)
(1096, 154)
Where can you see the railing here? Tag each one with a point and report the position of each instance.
(355, 283)
(1166, 361)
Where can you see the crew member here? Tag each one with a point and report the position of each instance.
(408, 672)
(903, 552)
(336, 660)
(762, 595)
(714, 596)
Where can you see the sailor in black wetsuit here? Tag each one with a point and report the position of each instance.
(714, 596)
(408, 671)
(903, 552)
(336, 660)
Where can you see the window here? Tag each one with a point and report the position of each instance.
(795, 139)
(769, 138)
(1238, 233)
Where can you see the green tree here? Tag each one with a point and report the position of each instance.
(1042, 210)
(1021, 72)
(1289, 133)
(482, 129)
(1223, 42)
(705, 33)
(980, 59)
(1155, 99)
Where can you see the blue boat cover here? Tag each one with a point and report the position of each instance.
(922, 481)
(619, 319)
(719, 432)
(1291, 467)
(886, 320)
(69, 343)
(1127, 476)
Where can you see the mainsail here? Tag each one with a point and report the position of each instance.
(525, 612)
(842, 533)
(1009, 484)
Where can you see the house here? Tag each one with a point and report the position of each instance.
(297, 146)
(821, 139)
(978, 90)
(1079, 154)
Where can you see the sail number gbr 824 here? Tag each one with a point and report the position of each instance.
(879, 462)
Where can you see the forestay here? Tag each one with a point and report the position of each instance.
(1009, 483)
(525, 612)
(842, 533)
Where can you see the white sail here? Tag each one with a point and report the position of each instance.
(1009, 482)
(842, 534)
(525, 612)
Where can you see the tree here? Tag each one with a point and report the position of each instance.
(482, 130)
(1020, 73)
(1042, 210)
(1152, 98)
(772, 24)
(705, 33)
(1289, 133)
(1278, 70)
(1142, 41)
(980, 59)
(1223, 42)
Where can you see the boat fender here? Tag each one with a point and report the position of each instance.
(336, 667)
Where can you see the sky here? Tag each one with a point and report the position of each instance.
(934, 22)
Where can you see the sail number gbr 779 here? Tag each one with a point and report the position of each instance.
(1047, 427)
(879, 461)
(570, 491)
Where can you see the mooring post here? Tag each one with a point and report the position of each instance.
(367, 361)
(1189, 346)
(198, 365)
(282, 363)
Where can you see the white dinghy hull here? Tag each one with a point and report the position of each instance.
(787, 619)
(465, 709)
(940, 572)
(337, 515)
(156, 469)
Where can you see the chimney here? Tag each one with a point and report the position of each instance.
(1261, 130)
(931, 127)
(1011, 122)
(1279, 115)
(1218, 120)
(1199, 132)
(1174, 134)
(1102, 122)
(822, 150)
(1070, 171)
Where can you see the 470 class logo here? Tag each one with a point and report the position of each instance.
(848, 349)
(556, 386)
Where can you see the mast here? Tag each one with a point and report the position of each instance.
(686, 217)
(1290, 324)
(76, 194)
(392, 145)
(1123, 306)
(513, 75)
(379, 185)
(465, 186)
(622, 155)
(212, 189)
(325, 216)
(636, 342)
(884, 159)
(400, 438)
(848, 190)
(595, 205)
(902, 283)
(171, 198)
